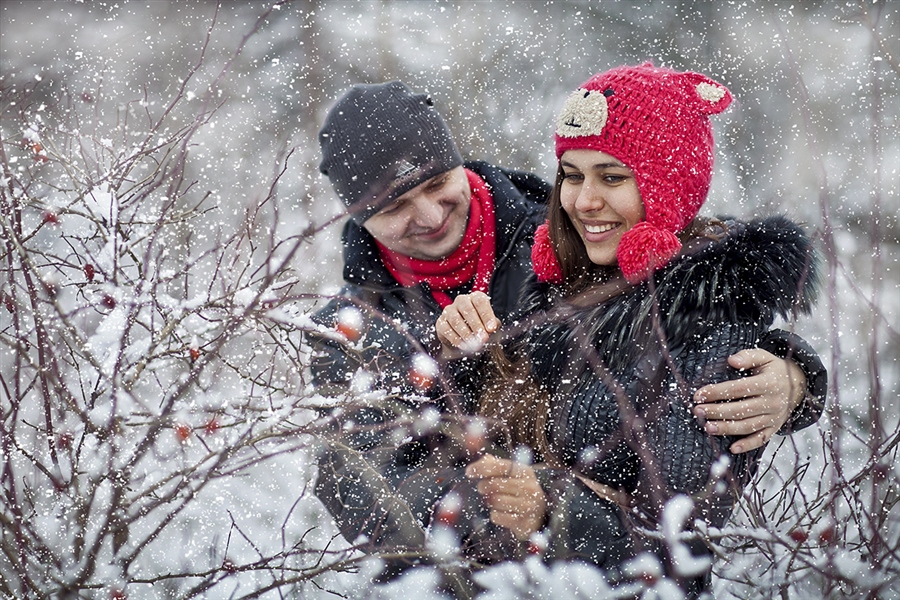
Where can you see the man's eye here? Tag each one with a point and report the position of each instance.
(390, 208)
(437, 183)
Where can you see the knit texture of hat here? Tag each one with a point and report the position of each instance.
(381, 140)
(654, 120)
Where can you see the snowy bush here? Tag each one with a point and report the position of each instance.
(165, 235)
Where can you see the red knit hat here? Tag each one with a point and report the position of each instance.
(655, 121)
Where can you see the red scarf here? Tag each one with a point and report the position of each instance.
(474, 259)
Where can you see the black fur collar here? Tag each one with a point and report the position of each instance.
(759, 270)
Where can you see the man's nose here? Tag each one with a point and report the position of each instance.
(429, 213)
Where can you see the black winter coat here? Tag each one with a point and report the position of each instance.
(382, 483)
(622, 373)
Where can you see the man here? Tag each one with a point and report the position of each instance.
(424, 229)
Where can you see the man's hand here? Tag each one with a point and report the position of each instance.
(512, 492)
(759, 404)
(465, 325)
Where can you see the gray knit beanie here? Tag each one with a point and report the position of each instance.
(379, 141)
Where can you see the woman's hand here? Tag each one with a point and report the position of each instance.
(760, 404)
(465, 325)
(512, 492)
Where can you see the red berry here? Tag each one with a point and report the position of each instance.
(798, 535)
(826, 536)
(182, 431)
(38, 153)
(89, 271)
(474, 437)
(108, 301)
(349, 323)
(211, 426)
(422, 372)
(195, 354)
(448, 510)
(50, 217)
(64, 440)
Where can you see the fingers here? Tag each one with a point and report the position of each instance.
(522, 526)
(727, 390)
(467, 321)
(734, 411)
(512, 493)
(751, 358)
(489, 466)
(752, 442)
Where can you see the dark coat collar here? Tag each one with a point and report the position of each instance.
(757, 271)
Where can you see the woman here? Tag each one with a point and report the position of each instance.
(637, 303)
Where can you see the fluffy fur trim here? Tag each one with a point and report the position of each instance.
(757, 271)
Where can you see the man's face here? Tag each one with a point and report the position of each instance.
(429, 221)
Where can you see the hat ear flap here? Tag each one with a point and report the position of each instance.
(711, 97)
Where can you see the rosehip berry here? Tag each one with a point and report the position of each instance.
(38, 152)
(422, 372)
(449, 509)
(349, 323)
(50, 217)
(89, 271)
(826, 536)
(182, 432)
(798, 535)
(211, 426)
(64, 440)
(474, 437)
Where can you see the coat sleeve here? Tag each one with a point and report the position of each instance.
(685, 459)
(673, 453)
(384, 497)
(379, 349)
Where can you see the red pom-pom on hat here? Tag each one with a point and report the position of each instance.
(543, 257)
(644, 249)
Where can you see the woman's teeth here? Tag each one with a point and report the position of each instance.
(599, 228)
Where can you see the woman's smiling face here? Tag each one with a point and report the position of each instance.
(600, 195)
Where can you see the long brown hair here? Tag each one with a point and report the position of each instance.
(512, 396)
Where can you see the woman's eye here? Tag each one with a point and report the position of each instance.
(572, 177)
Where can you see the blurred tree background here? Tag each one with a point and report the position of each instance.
(813, 134)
